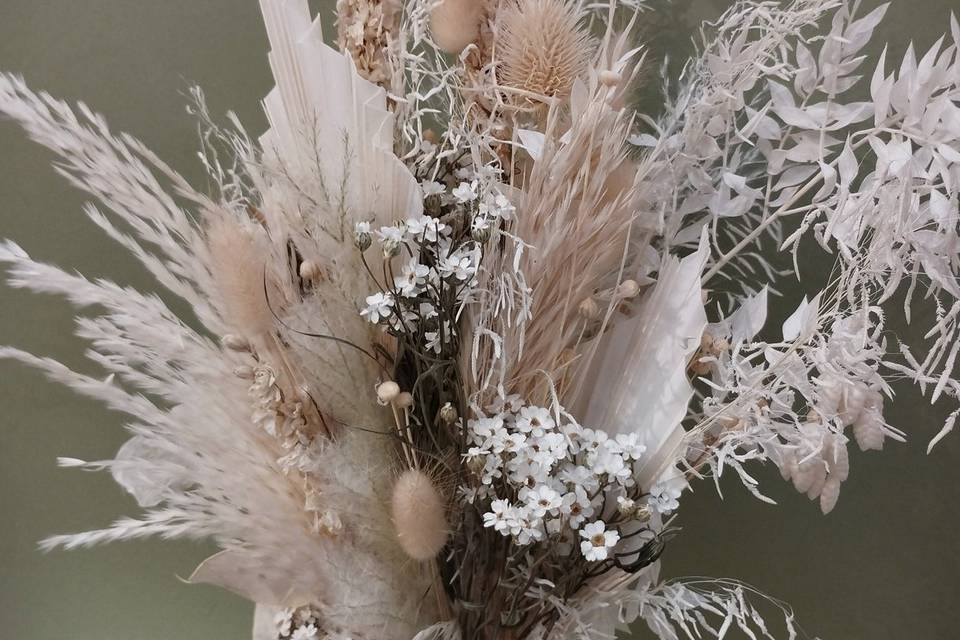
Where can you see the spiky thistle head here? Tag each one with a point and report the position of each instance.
(541, 46)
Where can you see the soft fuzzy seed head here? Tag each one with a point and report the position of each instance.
(404, 400)
(237, 259)
(387, 391)
(419, 515)
(455, 24)
(541, 46)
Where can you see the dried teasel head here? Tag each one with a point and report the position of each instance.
(541, 46)
(419, 515)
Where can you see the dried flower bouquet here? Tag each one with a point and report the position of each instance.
(466, 324)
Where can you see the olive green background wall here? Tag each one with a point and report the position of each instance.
(883, 566)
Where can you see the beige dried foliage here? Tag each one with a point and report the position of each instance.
(366, 31)
(576, 213)
(541, 46)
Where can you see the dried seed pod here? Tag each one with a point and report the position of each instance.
(387, 391)
(448, 414)
(419, 516)
(404, 400)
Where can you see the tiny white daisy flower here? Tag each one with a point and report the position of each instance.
(431, 188)
(665, 497)
(630, 445)
(576, 506)
(308, 632)
(379, 306)
(459, 266)
(392, 234)
(465, 192)
(597, 541)
(535, 420)
(412, 278)
(499, 517)
(425, 228)
(529, 531)
(541, 500)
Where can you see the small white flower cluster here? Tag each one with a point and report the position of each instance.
(301, 623)
(478, 193)
(490, 206)
(546, 476)
(435, 273)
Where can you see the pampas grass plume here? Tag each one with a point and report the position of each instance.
(542, 47)
(455, 24)
(419, 515)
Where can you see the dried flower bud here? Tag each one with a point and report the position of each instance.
(390, 248)
(235, 343)
(627, 507)
(404, 400)
(706, 342)
(588, 309)
(448, 414)
(610, 78)
(309, 270)
(455, 24)
(628, 289)
(387, 391)
(244, 372)
(700, 367)
(476, 464)
(642, 513)
(480, 234)
(362, 238)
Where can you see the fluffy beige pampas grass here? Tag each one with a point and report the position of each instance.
(419, 515)
(541, 46)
